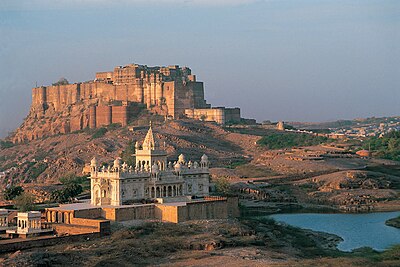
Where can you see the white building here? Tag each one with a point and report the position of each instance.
(151, 178)
(29, 224)
(3, 219)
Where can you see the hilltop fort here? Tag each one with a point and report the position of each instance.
(117, 97)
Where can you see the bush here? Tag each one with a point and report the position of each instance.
(223, 186)
(36, 170)
(99, 133)
(12, 192)
(387, 147)
(25, 202)
(288, 140)
(72, 187)
(5, 144)
(127, 154)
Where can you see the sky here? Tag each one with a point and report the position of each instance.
(309, 60)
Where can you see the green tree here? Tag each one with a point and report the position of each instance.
(288, 140)
(25, 202)
(99, 133)
(223, 186)
(6, 144)
(127, 154)
(12, 192)
(71, 188)
(71, 178)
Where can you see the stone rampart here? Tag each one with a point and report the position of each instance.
(172, 90)
(136, 212)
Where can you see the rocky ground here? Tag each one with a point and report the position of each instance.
(337, 178)
(267, 181)
(46, 160)
(245, 242)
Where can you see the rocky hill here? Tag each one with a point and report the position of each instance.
(45, 160)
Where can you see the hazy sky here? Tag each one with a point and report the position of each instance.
(279, 60)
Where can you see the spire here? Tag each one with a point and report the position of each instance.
(149, 142)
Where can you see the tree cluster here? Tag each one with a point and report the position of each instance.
(12, 192)
(288, 140)
(387, 147)
(127, 154)
(71, 188)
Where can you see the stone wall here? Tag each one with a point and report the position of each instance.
(168, 91)
(220, 115)
(136, 212)
(232, 115)
(208, 209)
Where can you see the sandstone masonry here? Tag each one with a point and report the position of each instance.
(116, 97)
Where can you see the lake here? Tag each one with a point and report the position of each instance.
(357, 230)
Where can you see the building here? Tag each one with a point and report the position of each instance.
(220, 115)
(117, 97)
(153, 189)
(152, 177)
(3, 219)
(29, 224)
(280, 126)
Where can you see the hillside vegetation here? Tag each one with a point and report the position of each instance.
(386, 147)
(288, 140)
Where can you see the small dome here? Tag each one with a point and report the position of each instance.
(181, 158)
(154, 168)
(204, 158)
(178, 167)
(93, 162)
(117, 162)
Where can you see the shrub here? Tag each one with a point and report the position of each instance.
(12, 192)
(72, 187)
(5, 144)
(223, 186)
(127, 154)
(288, 140)
(25, 202)
(99, 133)
(37, 169)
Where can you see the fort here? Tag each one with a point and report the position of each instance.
(117, 97)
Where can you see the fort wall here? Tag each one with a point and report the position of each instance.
(120, 115)
(168, 91)
(103, 115)
(136, 212)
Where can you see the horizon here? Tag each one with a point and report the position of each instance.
(277, 60)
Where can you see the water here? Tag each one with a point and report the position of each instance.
(357, 230)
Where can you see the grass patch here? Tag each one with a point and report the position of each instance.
(288, 140)
(253, 171)
(236, 163)
(99, 133)
(6, 144)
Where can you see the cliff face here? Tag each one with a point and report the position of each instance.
(113, 97)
